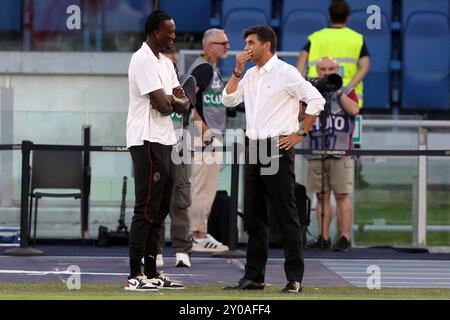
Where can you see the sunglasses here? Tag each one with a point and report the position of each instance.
(225, 43)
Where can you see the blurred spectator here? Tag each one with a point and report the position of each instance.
(344, 44)
(181, 195)
(210, 116)
(332, 130)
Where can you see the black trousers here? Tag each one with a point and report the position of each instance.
(153, 181)
(277, 191)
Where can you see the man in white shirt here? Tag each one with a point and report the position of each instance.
(271, 92)
(154, 94)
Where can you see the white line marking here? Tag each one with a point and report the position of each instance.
(44, 273)
(399, 273)
(239, 264)
(343, 270)
(400, 278)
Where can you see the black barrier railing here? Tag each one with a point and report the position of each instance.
(356, 152)
(86, 180)
(10, 147)
(27, 147)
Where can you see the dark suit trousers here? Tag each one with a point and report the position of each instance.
(276, 191)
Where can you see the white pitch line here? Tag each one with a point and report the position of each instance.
(381, 260)
(44, 273)
(392, 262)
(393, 273)
(397, 282)
(393, 266)
(400, 278)
(385, 270)
(206, 259)
(239, 264)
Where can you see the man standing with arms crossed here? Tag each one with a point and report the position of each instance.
(154, 94)
(271, 92)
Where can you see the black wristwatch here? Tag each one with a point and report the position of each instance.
(302, 132)
(237, 74)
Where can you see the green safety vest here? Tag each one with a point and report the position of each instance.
(342, 44)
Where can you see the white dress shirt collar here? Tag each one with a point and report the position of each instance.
(269, 64)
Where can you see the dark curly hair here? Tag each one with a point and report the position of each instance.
(154, 20)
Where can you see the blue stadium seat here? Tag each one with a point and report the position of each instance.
(10, 15)
(189, 16)
(378, 41)
(234, 23)
(296, 27)
(125, 15)
(293, 5)
(426, 61)
(231, 6)
(50, 15)
(300, 18)
(410, 7)
(362, 5)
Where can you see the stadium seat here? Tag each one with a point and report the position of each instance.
(10, 15)
(316, 5)
(50, 15)
(296, 27)
(410, 7)
(231, 6)
(426, 61)
(362, 5)
(235, 23)
(378, 41)
(125, 15)
(300, 18)
(49, 31)
(189, 16)
(124, 23)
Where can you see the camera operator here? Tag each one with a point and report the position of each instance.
(332, 130)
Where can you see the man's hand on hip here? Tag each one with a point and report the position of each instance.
(289, 141)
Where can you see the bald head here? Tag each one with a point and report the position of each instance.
(326, 66)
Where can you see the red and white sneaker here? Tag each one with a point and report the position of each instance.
(140, 283)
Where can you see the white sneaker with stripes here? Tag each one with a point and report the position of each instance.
(208, 244)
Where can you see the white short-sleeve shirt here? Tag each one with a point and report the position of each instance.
(148, 73)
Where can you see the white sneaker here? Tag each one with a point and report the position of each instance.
(208, 244)
(163, 282)
(140, 283)
(159, 260)
(182, 260)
